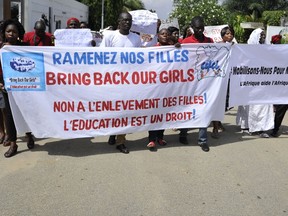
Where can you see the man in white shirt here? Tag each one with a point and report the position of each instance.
(121, 38)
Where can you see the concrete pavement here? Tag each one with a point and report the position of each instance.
(240, 176)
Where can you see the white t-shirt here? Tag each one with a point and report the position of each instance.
(116, 39)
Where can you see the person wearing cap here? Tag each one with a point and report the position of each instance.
(276, 39)
(73, 23)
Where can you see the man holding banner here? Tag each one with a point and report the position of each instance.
(197, 24)
(121, 38)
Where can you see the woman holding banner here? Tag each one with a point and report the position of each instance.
(227, 35)
(12, 33)
(165, 38)
(256, 119)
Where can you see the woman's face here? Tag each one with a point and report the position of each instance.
(175, 34)
(228, 37)
(188, 32)
(73, 25)
(163, 37)
(11, 34)
(262, 37)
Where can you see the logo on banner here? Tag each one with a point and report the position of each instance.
(24, 71)
(209, 62)
(22, 64)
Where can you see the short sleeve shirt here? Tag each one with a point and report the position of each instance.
(116, 39)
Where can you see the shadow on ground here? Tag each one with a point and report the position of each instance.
(91, 146)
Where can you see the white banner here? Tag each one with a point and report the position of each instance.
(259, 74)
(66, 93)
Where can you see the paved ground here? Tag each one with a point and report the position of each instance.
(240, 176)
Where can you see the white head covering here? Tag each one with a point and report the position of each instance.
(255, 36)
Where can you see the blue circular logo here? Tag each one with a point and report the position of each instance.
(22, 64)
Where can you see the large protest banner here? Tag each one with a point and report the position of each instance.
(259, 74)
(64, 92)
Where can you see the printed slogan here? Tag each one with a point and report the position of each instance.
(63, 93)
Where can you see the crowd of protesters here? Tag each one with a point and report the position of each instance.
(13, 33)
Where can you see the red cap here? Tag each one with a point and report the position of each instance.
(72, 18)
(276, 39)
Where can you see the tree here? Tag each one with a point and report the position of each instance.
(112, 9)
(251, 11)
(244, 6)
(130, 5)
(257, 10)
(212, 13)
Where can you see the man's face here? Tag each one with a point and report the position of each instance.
(40, 30)
(198, 28)
(125, 22)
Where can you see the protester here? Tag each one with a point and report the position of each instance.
(11, 33)
(256, 119)
(197, 24)
(174, 32)
(2, 102)
(227, 34)
(121, 38)
(38, 37)
(280, 109)
(164, 38)
(1, 37)
(276, 39)
(187, 32)
(73, 23)
(83, 25)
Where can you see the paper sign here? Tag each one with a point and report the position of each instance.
(144, 21)
(73, 37)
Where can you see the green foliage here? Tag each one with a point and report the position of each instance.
(251, 11)
(248, 6)
(212, 13)
(112, 9)
(236, 20)
(256, 11)
(130, 5)
(273, 17)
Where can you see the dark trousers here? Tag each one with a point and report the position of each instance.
(202, 134)
(279, 116)
(155, 134)
(9, 121)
